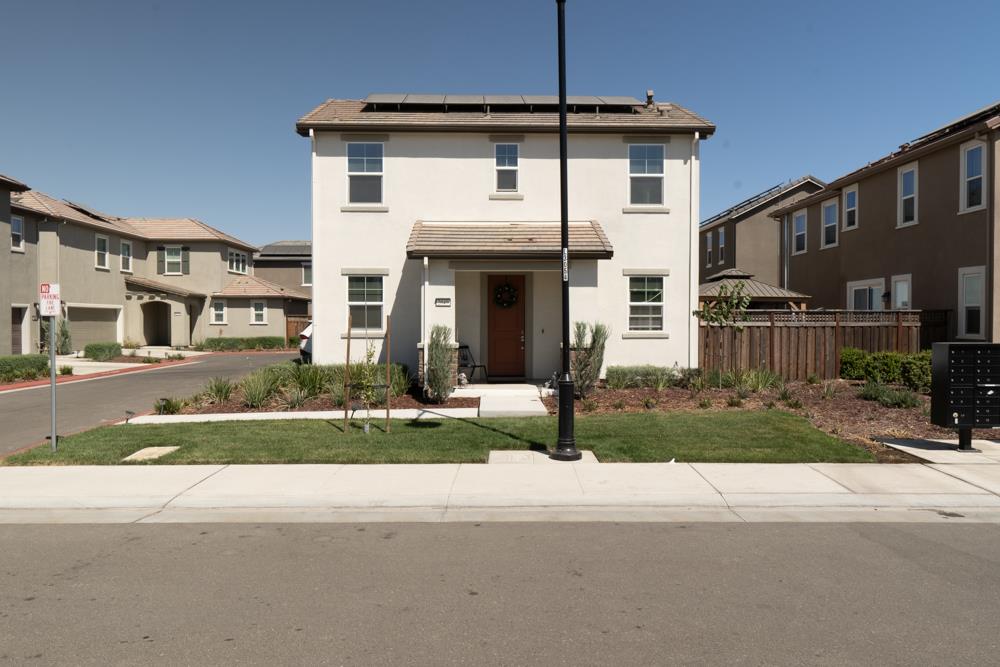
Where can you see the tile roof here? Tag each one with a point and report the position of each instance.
(760, 199)
(157, 286)
(12, 184)
(181, 229)
(285, 249)
(754, 289)
(507, 240)
(249, 286)
(43, 204)
(350, 115)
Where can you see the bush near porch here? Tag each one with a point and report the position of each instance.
(911, 370)
(236, 344)
(102, 351)
(23, 367)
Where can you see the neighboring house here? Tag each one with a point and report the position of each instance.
(155, 281)
(763, 296)
(745, 236)
(444, 210)
(289, 264)
(916, 229)
(16, 255)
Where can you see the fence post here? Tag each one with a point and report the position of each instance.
(836, 345)
(899, 332)
(770, 343)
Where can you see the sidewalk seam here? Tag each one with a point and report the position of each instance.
(203, 479)
(451, 489)
(716, 489)
(942, 471)
(837, 482)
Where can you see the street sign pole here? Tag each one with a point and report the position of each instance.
(52, 377)
(50, 306)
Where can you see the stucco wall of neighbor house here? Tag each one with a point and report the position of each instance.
(238, 320)
(22, 288)
(449, 176)
(931, 251)
(5, 272)
(287, 274)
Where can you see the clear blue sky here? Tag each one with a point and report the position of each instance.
(186, 108)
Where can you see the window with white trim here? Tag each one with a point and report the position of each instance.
(645, 303)
(973, 196)
(364, 173)
(902, 292)
(16, 232)
(865, 294)
(800, 220)
(708, 249)
(505, 156)
(364, 302)
(218, 311)
(971, 301)
(101, 245)
(258, 312)
(906, 209)
(173, 264)
(125, 256)
(645, 171)
(722, 245)
(830, 216)
(237, 261)
(307, 274)
(851, 207)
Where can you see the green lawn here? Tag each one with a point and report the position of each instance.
(770, 437)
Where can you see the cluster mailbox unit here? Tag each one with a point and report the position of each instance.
(965, 388)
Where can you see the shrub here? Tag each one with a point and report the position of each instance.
(308, 378)
(686, 377)
(649, 402)
(884, 367)
(259, 387)
(653, 377)
(852, 363)
(769, 405)
(812, 378)
(794, 403)
(761, 379)
(915, 372)
(148, 360)
(175, 356)
(439, 353)
(784, 394)
(23, 367)
(102, 351)
(130, 344)
(65, 370)
(588, 342)
(294, 398)
(829, 390)
(169, 406)
(705, 403)
(232, 344)
(618, 405)
(871, 391)
(889, 397)
(219, 389)
(64, 342)
(588, 405)
(734, 401)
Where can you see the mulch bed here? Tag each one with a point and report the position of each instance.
(843, 415)
(324, 402)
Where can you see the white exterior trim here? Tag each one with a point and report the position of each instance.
(211, 312)
(857, 207)
(873, 283)
(805, 232)
(107, 252)
(897, 279)
(963, 192)
(833, 201)
(253, 312)
(963, 273)
(914, 167)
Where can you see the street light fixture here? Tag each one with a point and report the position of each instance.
(566, 445)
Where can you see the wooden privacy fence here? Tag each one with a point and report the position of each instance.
(294, 325)
(797, 344)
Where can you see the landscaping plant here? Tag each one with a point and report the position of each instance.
(64, 342)
(438, 381)
(294, 397)
(729, 308)
(169, 406)
(915, 371)
(219, 389)
(65, 370)
(259, 387)
(102, 351)
(23, 367)
(589, 341)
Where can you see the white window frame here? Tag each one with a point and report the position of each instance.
(915, 168)
(709, 240)
(306, 265)
(225, 312)
(167, 260)
(380, 304)
(963, 194)
(497, 169)
(662, 175)
(253, 312)
(349, 173)
(893, 290)
(963, 273)
(722, 246)
(17, 247)
(97, 252)
(242, 261)
(877, 284)
(852, 189)
(644, 304)
(835, 224)
(804, 212)
(122, 256)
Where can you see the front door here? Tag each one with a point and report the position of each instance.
(506, 326)
(16, 321)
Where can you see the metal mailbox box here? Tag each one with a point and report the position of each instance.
(965, 388)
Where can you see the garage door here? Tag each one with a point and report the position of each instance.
(92, 325)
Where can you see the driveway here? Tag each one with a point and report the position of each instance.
(89, 403)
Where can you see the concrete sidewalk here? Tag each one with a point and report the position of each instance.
(480, 492)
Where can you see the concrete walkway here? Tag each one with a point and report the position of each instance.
(481, 492)
(506, 400)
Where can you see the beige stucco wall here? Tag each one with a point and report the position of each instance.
(238, 320)
(20, 288)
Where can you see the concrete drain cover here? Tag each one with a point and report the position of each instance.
(150, 453)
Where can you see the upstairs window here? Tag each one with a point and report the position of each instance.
(645, 303)
(830, 216)
(708, 249)
(851, 207)
(506, 166)
(972, 196)
(237, 262)
(16, 232)
(364, 173)
(125, 255)
(307, 274)
(799, 221)
(722, 245)
(906, 213)
(645, 170)
(173, 264)
(101, 251)
(364, 302)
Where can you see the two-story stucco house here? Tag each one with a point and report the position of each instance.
(289, 264)
(444, 209)
(15, 298)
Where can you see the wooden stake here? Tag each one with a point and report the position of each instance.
(347, 375)
(388, 369)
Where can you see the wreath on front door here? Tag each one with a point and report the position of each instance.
(505, 296)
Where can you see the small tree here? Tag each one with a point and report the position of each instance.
(589, 341)
(438, 380)
(728, 309)
(64, 342)
(366, 379)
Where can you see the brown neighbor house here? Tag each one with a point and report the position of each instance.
(915, 229)
(289, 264)
(746, 237)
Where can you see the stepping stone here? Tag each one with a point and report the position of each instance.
(531, 457)
(150, 453)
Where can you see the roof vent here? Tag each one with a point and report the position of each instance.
(649, 98)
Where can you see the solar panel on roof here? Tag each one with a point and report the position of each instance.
(624, 100)
(463, 99)
(582, 99)
(385, 98)
(504, 99)
(540, 99)
(421, 98)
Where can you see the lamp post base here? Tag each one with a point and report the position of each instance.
(566, 444)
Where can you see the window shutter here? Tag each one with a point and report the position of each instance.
(185, 261)
(161, 260)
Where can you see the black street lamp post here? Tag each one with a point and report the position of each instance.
(566, 445)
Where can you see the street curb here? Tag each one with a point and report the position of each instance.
(69, 379)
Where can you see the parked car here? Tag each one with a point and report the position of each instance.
(305, 344)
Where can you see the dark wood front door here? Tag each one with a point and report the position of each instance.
(506, 326)
(16, 319)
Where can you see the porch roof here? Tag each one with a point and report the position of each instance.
(250, 286)
(157, 286)
(506, 240)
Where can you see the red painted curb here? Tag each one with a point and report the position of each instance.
(66, 379)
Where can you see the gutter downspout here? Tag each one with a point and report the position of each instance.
(693, 254)
(423, 315)
(784, 251)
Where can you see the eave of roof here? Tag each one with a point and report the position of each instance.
(254, 287)
(506, 240)
(13, 184)
(735, 212)
(156, 286)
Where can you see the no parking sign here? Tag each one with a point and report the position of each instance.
(48, 300)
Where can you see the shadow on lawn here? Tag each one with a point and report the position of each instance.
(431, 424)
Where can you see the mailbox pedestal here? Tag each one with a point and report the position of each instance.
(965, 388)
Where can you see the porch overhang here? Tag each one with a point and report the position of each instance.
(506, 240)
(154, 286)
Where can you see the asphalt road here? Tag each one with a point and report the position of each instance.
(500, 594)
(24, 415)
